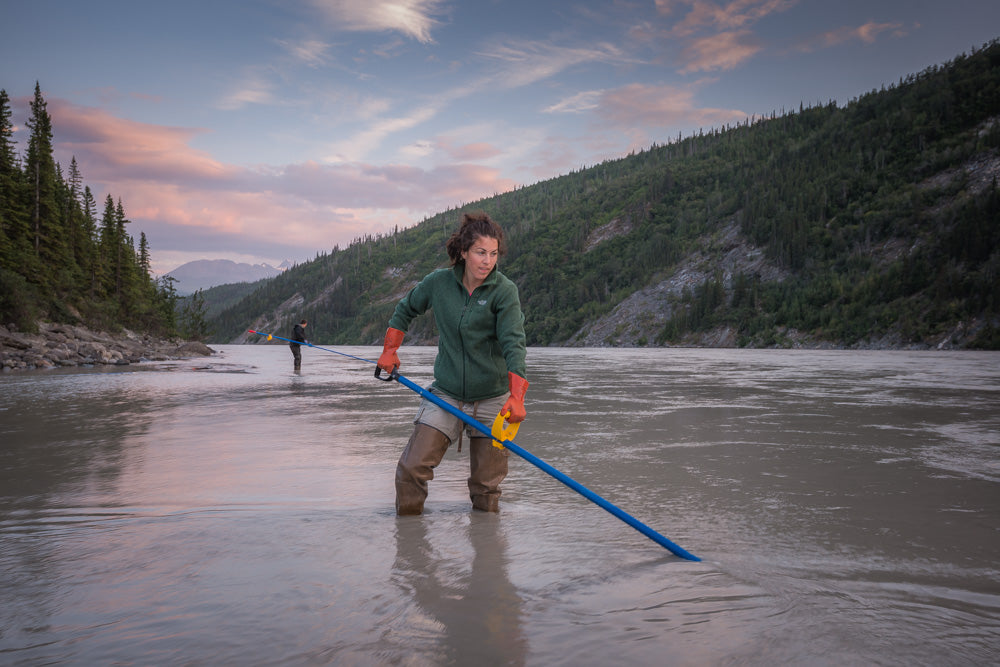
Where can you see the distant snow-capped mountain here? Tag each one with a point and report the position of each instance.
(205, 273)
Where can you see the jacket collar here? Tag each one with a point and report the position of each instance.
(459, 271)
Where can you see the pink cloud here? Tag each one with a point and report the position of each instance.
(473, 151)
(703, 14)
(723, 51)
(715, 35)
(111, 144)
(660, 106)
(867, 33)
(666, 6)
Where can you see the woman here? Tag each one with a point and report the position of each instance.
(479, 367)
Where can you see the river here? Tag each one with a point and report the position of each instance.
(230, 511)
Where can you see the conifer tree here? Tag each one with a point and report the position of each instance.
(124, 258)
(14, 246)
(81, 242)
(144, 255)
(88, 232)
(108, 247)
(6, 176)
(48, 237)
(194, 325)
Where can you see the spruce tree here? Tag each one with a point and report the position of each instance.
(144, 262)
(14, 231)
(89, 266)
(82, 242)
(47, 233)
(124, 254)
(108, 248)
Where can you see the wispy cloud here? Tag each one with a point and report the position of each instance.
(524, 62)
(362, 143)
(311, 52)
(709, 35)
(517, 63)
(867, 33)
(476, 151)
(413, 18)
(723, 51)
(648, 106)
(254, 88)
(699, 15)
(586, 100)
(640, 112)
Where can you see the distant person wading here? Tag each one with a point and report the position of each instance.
(479, 368)
(298, 334)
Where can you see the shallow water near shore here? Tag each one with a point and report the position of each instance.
(228, 510)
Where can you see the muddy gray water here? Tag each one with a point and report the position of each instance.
(846, 506)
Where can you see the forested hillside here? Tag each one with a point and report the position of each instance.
(875, 223)
(59, 261)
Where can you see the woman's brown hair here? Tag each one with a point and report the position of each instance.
(474, 224)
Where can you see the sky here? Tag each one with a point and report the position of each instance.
(262, 131)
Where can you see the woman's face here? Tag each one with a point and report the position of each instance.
(480, 258)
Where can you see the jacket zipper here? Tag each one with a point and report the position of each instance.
(461, 338)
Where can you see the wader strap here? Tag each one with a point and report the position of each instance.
(475, 415)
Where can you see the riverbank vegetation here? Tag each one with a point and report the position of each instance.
(61, 260)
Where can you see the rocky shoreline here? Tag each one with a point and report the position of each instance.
(67, 345)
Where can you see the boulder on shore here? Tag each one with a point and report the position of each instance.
(70, 345)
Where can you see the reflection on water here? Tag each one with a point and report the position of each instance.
(465, 609)
(232, 511)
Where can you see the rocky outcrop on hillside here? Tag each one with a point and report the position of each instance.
(639, 319)
(59, 345)
(282, 318)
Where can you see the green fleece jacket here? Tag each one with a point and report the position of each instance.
(481, 335)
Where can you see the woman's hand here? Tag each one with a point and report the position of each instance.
(514, 407)
(389, 360)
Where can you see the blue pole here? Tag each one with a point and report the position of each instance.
(299, 342)
(524, 454)
(545, 467)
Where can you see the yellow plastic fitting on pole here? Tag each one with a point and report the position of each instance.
(502, 430)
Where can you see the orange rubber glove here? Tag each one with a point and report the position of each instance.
(389, 361)
(514, 407)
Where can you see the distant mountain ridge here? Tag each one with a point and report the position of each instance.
(205, 273)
